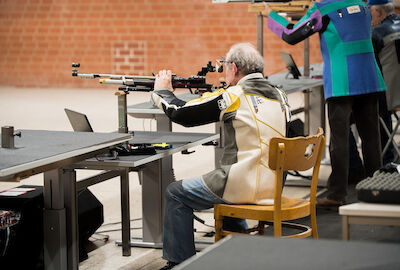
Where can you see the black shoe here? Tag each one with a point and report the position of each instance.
(326, 202)
(169, 265)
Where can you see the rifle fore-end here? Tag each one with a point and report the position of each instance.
(116, 81)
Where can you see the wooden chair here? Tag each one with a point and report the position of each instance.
(299, 154)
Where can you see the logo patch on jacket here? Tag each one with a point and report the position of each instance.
(256, 101)
(353, 9)
(222, 104)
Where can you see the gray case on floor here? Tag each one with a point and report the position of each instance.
(382, 187)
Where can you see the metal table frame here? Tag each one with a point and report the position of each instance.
(60, 197)
(154, 178)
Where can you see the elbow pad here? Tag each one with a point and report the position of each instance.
(300, 33)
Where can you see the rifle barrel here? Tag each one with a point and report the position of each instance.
(116, 81)
(87, 75)
(113, 76)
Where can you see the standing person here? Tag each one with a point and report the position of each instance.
(386, 42)
(252, 112)
(351, 81)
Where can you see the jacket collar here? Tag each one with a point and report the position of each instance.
(251, 76)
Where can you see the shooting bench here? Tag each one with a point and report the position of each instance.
(368, 214)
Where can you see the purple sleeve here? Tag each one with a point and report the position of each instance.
(308, 25)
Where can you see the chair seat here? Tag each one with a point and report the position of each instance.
(292, 208)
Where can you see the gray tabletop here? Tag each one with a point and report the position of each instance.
(37, 148)
(179, 141)
(258, 252)
(295, 85)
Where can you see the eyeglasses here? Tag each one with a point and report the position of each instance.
(222, 60)
(219, 64)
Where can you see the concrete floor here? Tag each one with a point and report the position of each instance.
(43, 109)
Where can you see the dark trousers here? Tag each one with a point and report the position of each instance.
(365, 112)
(355, 160)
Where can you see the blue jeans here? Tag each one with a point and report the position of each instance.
(181, 198)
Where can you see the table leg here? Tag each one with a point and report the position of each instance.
(163, 123)
(317, 114)
(154, 184)
(345, 228)
(122, 113)
(316, 109)
(125, 214)
(152, 200)
(55, 232)
(260, 36)
(71, 211)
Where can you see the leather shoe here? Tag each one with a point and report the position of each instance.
(326, 202)
(169, 265)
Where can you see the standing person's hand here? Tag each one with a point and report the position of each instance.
(163, 80)
(267, 10)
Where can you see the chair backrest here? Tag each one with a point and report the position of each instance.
(301, 153)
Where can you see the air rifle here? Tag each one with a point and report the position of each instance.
(195, 83)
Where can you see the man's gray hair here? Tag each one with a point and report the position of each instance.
(387, 8)
(246, 57)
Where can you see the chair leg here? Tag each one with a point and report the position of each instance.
(218, 225)
(313, 220)
(261, 227)
(277, 228)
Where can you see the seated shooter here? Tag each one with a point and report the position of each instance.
(252, 111)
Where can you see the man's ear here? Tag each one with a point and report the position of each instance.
(235, 69)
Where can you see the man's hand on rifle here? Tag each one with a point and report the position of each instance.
(267, 10)
(164, 80)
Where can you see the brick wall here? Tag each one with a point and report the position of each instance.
(39, 39)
